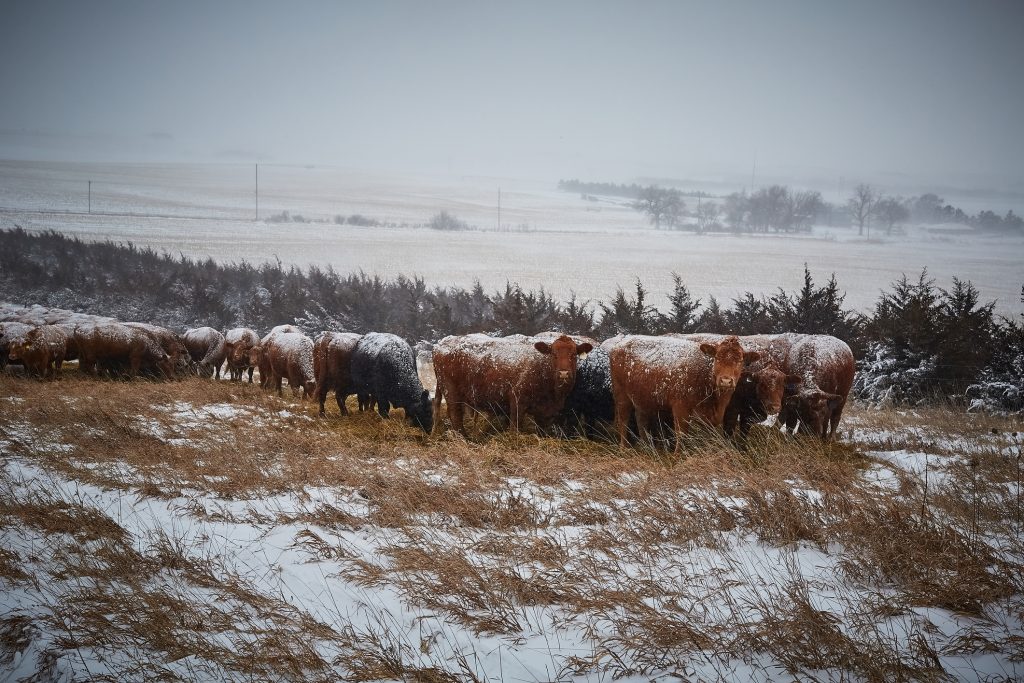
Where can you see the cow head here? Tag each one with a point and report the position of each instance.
(421, 413)
(770, 386)
(814, 408)
(255, 355)
(729, 358)
(564, 353)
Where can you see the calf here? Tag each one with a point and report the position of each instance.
(506, 376)
(384, 367)
(41, 350)
(332, 367)
(207, 350)
(654, 375)
(237, 343)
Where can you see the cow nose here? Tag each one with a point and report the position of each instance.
(727, 383)
(773, 407)
(563, 375)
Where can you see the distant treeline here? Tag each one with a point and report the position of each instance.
(918, 342)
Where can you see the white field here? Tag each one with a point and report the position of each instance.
(548, 238)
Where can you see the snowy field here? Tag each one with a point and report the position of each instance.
(206, 530)
(548, 238)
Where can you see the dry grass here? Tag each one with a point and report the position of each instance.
(643, 557)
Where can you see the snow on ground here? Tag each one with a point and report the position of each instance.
(274, 547)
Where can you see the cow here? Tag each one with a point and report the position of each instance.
(656, 375)
(762, 386)
(170, 342)
(260, 359)
(41, 350)
(332, 367)
(289, 355)
(509, 377)
(384, 367)
(206, 348)
(116, 347)
(237, 343)
(10, 333)
(827, 367)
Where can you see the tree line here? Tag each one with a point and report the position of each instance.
(918, 342)
(780, 209)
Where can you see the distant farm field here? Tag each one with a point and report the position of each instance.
(548, 238)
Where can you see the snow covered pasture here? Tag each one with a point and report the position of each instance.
(207, 530)
(551, 239)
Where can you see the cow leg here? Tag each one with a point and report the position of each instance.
(339, 396)
(456, 412)
(643, 426)
(383, 407)
(623, 411)
(681, 423)
(834, 421)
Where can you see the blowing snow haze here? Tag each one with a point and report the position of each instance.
(909, 93)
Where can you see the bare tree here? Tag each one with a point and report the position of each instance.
(707, 216)
(891, 211)
(861, 205)
(662, 205)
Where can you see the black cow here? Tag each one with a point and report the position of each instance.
(384, 366)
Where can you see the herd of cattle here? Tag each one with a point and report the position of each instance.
(634, 382)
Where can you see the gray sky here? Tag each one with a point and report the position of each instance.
(929, 90)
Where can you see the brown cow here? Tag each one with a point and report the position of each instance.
(763, 384)
(10, 333)
(207, 350)
(237, 343)
(655, 375)
(827, 368)
(258, 356)
(289, 355)
(505, 376)
(332, 366)
(116, 347)
(170, 342)
(41, 350)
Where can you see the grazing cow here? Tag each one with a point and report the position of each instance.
(384, 367)
(332, 366)
(237, 343)
(827, 368)
(10, 333)
(170, 342)
(41, 350)
(206, 348)
(289, 355)
(762, 386)
(260, 359)
(116, 347)
(656, 375)
(505, 376)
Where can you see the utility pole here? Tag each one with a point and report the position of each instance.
(499, 209)
(752, 172)
(90, 196)
(257, 192)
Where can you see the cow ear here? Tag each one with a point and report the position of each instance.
(709, 349)
(794, 379)
(543, 347)
(583, 349)
(751, 356)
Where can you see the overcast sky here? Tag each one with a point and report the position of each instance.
(609, 90)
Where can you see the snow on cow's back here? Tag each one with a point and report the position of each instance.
(280, 329)
(203, 335)
(662, 352)
(514, 350)
(241, 334)
(385, 344)
(297, 348)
